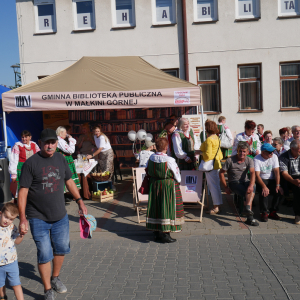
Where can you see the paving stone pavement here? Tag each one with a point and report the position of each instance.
(195, 267)
(210, 260)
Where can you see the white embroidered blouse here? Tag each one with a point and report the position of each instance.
(177, 143)
(160, 157)
(245, 138)
(66, 147)
(14, 158)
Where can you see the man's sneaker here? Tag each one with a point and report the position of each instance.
(49, 295)
(273, 215)
(264, 217)
(297, 220)
(252, 222)
(58, 286)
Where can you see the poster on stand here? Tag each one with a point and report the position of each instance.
(196, 123)
(191, 186)
(140, 175)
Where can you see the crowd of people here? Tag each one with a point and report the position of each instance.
(258, 163)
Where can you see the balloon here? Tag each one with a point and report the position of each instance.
(141, 134)
(132, 135)
(149, 135)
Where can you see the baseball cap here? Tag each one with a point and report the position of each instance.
(267, 147)
(48, 134)
(149, 143)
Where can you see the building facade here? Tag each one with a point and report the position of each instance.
(244, 53)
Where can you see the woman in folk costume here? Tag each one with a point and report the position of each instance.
(185, 144)
(20, 152)
(106, 153)
(222, 127)
(66, 146)
(165, 208)
(250, 137)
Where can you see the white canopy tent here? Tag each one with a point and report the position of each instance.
(103, 83)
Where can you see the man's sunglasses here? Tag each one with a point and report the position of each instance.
(269, 152)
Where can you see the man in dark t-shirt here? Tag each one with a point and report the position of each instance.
(41, 199)
(237, 168)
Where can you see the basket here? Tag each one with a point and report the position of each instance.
(100, 178)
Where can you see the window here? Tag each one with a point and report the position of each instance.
(45, 21)
(209, 80)
(84, 17)
(205, 10)
(249, 88)
(123, 13)
(42, 76)
(173, 72)
(290, 85)
(163, 12)
(288, 8)
(247, 9)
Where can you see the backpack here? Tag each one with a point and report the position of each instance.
(225, 140)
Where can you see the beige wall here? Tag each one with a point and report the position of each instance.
(226, 43)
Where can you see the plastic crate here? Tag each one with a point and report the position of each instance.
(98, 185)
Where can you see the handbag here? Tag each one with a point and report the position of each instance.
(225, 141)
(207, 166)
(145, 186)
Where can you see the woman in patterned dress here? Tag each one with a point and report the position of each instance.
(66, 146)
(20, 152)
(185, 144)
(165, 208)
(106, 153)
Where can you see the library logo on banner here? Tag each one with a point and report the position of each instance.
(182, 98)
(23, 101)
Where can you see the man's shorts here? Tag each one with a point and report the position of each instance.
(50, 238)
(240, 187)
(10, 272)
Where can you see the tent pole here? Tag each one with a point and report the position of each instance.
(203, 126)
(4, 129)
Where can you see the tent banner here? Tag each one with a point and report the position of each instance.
(87, 100)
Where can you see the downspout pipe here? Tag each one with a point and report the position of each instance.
(185, 41)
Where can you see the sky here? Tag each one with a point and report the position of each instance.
(9, 47)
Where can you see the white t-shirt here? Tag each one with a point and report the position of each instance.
(101, 143)
(266, 166)
(144, 157)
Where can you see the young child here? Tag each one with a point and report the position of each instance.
(9, 236)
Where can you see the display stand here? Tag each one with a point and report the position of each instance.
(140, 201)
(193, 189)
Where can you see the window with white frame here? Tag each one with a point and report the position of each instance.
(247, 9)
(173, 72)
(209, 80)
(250, 87)
(163, 12)
(288, 8)
(45, 20)
(84, 16)
(290, 85)
(205, 10)
(123, 13)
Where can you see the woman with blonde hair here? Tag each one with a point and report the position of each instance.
(106, 153)
(185, 143)
(85, 141)
(66, 146)
(211, 151)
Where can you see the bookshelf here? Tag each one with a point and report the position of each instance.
(117, 123)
